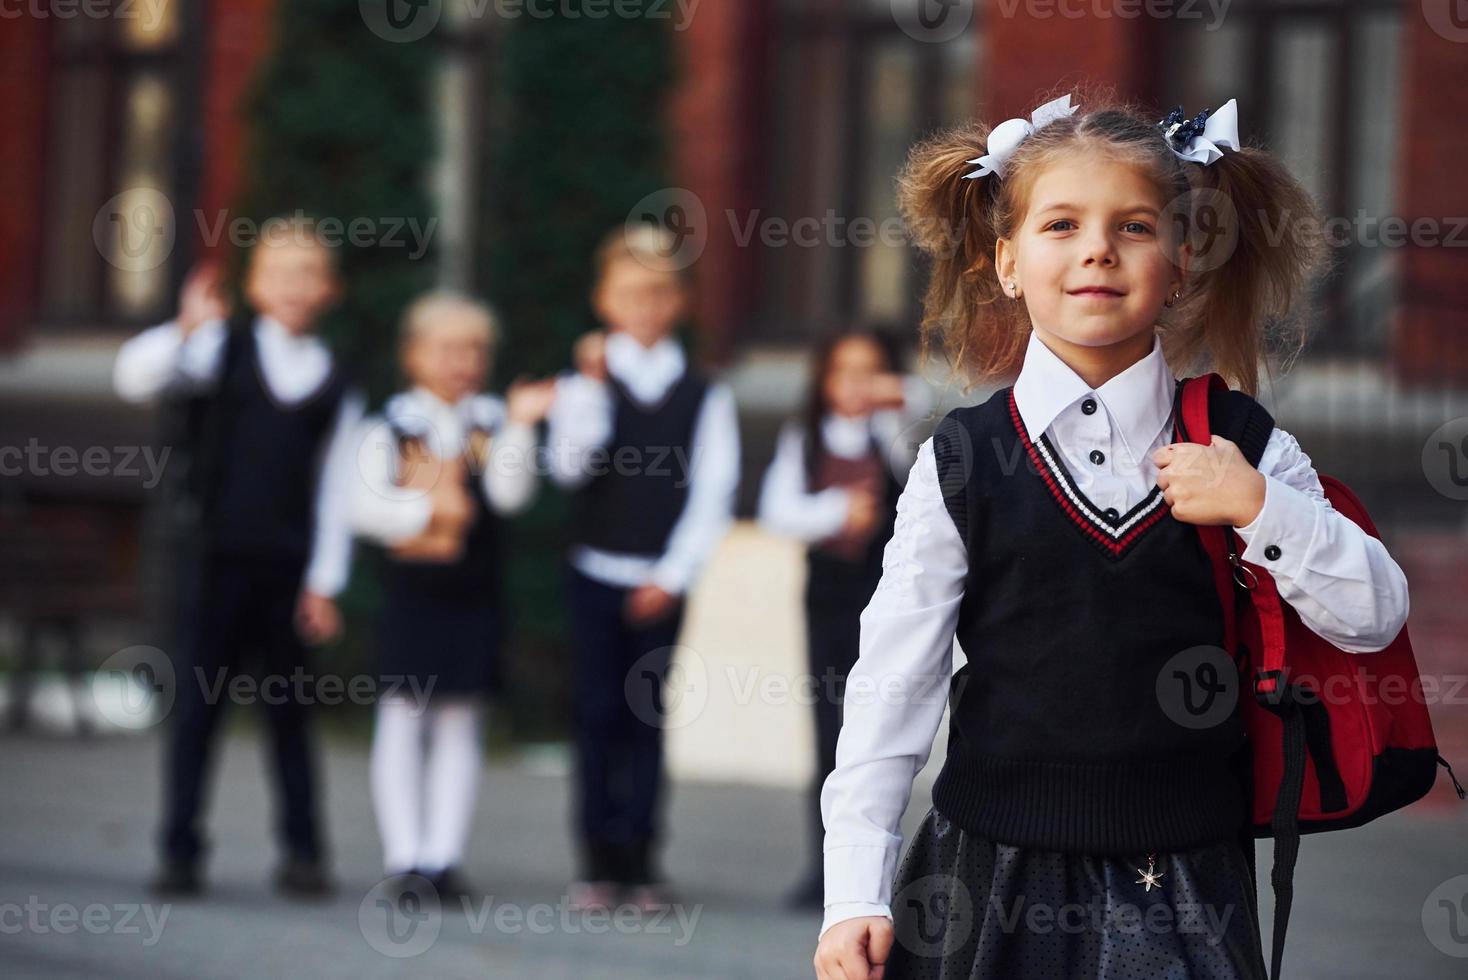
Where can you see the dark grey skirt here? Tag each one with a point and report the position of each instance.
(967, 908)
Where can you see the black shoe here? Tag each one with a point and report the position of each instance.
(808, 894)
(303, 878)
(178, 877)
(404, 883)
(451, 885)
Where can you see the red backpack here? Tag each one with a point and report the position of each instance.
(1320, 763)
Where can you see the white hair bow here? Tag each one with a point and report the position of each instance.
(1198, 140)
(1006, 137)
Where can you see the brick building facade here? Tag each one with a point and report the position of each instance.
(791, 109)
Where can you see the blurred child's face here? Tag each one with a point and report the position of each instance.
(291, 280)
(1091, 223)
(643, 303)
(449, 357)
(855, 364)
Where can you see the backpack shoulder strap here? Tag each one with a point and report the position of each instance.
(1241, 420)
(1209, 406)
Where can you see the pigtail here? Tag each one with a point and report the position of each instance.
(953, 222)
(1258, 244)
(1255, 235)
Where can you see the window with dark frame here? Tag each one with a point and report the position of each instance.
(852, 92)
(1317, 81)
(119, 163)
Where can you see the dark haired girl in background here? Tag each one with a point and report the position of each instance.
(833, 484)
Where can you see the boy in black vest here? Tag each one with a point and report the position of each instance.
(651, 447)
(270, 420)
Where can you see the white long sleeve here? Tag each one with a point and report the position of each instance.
(894, 698)
(294, 367)
(161, 356)
(509, 476)
(380, 510)
(384, 512)
(712, 484)
(579, 423)
(1341, 581)
(331, 546)
(580, 427)
(786, 506)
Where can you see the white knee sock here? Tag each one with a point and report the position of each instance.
(452, 782)
(397, 782)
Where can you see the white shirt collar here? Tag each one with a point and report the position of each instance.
(294, 365)
(845, 435)
(1138, 400)
(421, 412)
(646, 371)
(280, 335)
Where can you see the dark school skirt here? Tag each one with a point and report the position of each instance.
(965, 908)
(452, 646)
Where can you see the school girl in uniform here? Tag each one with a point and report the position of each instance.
(833, 484)
(439, 468)
(1052, 531)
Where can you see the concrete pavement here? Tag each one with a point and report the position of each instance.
(79, 816)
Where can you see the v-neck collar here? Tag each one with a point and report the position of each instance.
(1115, 536)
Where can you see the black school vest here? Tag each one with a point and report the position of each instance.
(1059, 738)
(474, 578)
(642, 479)
(835, 580)
(258, 462)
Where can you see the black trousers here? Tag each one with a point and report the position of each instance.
(835, 595)
(619, 712)
(237, 617)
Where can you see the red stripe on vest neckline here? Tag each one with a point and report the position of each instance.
(1114, 547)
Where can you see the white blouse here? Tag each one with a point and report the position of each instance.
(1341, 581)
(580, 425)
(389, 514)
(786, 505)
(294, 367)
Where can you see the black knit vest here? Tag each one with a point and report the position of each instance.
(1058, 738)
(833, 581)
(259, 462)
(473, 578)
(642, 476)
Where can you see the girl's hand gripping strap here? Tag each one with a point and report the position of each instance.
(1223, 546)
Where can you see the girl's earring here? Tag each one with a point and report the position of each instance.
(1176, 295)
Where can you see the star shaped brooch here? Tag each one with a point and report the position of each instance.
(1151, 876)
